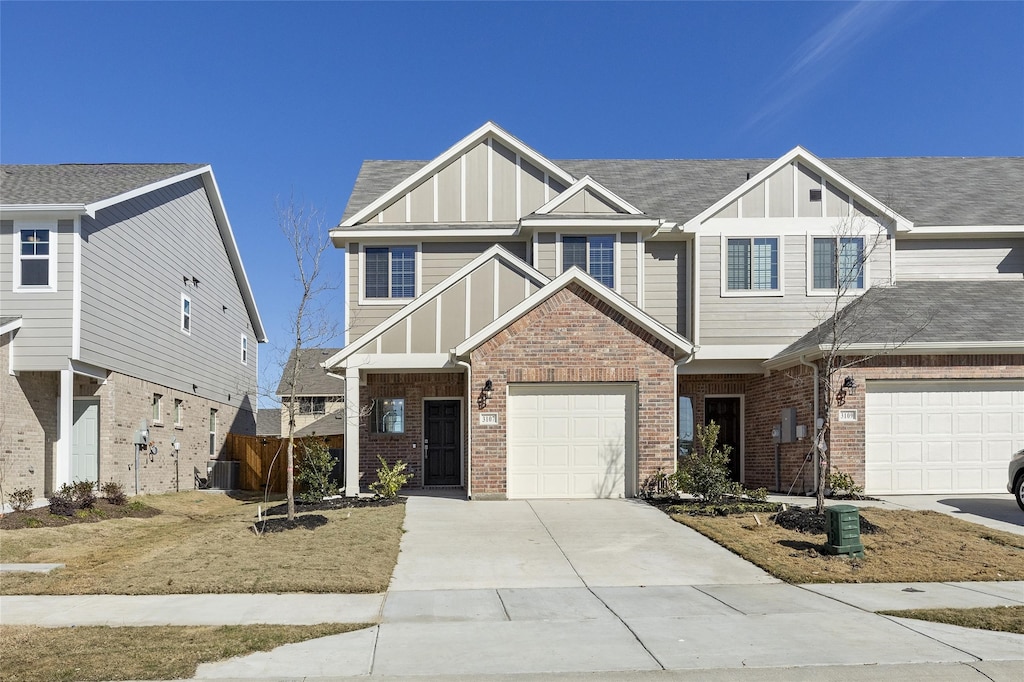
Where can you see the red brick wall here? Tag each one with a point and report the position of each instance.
(573, 337)
(407, 446)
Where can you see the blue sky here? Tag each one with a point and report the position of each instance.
(289, 98)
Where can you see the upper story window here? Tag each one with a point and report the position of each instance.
(312, 405)
(389, 272)
(186, 314)
(594, 255)
(35, 259)
(244, 349)
(838, 263)
(752, 264)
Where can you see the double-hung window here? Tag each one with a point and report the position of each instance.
(34, 258)
(838, 263)
(312, 405)
(389, 272)
(594, 255)
(752, 264)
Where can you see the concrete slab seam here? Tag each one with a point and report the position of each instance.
(720, 601)
(980, 672)
(893, 619)
(971, 589)
(504, 608)
(591, 591)
(373, 649)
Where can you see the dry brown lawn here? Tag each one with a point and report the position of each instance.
(203, 543)
(34, 654)
(1002, 618)
(910, 547)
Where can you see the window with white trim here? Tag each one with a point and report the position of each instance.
(838, 263)
(213, 433)
(313, 405)
(186, 314)
(158, 417)
(752, 264)
(388, 415)
(245, 349)
(177, 412)
(389, 272)
(35, 257)
(594, 255)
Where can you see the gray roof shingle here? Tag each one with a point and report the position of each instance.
(332, 424)
(312, 379)
(946, 311)
(268, 421)
(81, 183)
(926, 190)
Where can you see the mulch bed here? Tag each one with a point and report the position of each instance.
(101, 511)
(806, 521)
(307, 521)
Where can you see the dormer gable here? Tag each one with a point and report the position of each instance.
(588, 197)
(798, 185)
(487, 177)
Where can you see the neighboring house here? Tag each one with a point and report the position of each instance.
(521, 327)
(123, 304)
(268, 421)
(320, 397)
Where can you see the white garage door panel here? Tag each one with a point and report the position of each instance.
(941, 437)
(569, 440)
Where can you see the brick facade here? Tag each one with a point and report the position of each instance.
(407, 446)
(573, 337)
(30, 426)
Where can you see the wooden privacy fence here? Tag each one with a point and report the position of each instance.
(256, 458)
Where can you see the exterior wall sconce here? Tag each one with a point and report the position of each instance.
(485, 394)
(850, 385)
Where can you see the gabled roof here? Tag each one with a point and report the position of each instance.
(580, 278)
(801, 155)
(487, 130)
(311, 379)
(948, 316)
(81, 183)
(588, 184)
(494, 252)
(939, 191)
(332, 424)
(84, 189)
(268, 421)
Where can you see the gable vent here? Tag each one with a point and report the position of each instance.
(815, 195)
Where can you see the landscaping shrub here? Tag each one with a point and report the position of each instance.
(21, 499)
(389, 479)
(315, 468)
(839, 482)
(70, 498)
(705, 473)
(658, 484)
(114, 492)
(84, 494)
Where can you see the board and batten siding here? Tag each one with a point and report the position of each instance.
(44, 342)
(771, 320)
(666, 284)
(926, 259)
(136, 256)
(361, 318)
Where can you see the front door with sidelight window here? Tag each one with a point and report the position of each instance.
(442, 439)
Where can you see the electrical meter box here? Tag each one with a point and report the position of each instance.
(788, 421)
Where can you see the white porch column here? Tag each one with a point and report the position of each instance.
(65, 425)
(352, 431)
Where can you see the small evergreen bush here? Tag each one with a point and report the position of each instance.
(839, 482)
(71, 498)
(114, 492)
(21, 499)
(315, 470)
(390, 479)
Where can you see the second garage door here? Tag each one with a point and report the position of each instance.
(941, 437)
(571, 440)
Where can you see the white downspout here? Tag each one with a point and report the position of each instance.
(817, 400)
(469, 424)
(675, 390)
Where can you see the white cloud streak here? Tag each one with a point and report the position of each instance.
(820, 56)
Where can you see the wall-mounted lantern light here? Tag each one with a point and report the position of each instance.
(486, 393)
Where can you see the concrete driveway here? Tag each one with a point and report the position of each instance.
(455, 544)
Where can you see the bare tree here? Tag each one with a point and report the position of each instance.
(311, 325)
(855, 239)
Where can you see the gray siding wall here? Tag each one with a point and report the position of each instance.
(44, 341)
(770, 319)
(361, 318)
(666, 284)
(134, 258)
(627, 266)
(918, 259)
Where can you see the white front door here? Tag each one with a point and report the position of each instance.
(85, 441)
(571, 440)
(941, 436)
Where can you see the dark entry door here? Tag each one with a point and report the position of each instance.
(442, 438)
(727, 414)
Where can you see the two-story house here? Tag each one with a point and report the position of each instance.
(125, 311)
(522, 327)
(319, 396)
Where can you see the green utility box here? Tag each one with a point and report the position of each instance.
(842, 523)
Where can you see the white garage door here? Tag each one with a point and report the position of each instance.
(941, 437)
(570, 440)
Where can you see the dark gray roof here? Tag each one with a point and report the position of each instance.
(268, 422)
(7, 319)
(80, 183)
(948, 311)
(332, 424)
(312, 379)
(926, 190)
